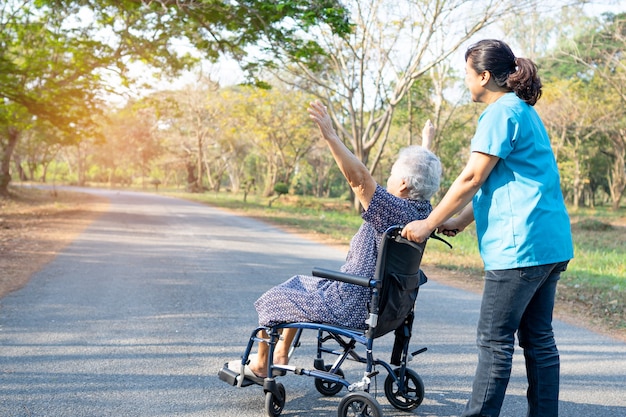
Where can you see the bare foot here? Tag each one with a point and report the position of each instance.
(281, 359)
(259, 366)
(260, 371)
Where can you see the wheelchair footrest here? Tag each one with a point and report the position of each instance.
(232, 378)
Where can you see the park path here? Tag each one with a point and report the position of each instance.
(137, 315)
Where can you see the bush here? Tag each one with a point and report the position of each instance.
(281, 188)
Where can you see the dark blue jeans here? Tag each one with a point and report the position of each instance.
(517, 300)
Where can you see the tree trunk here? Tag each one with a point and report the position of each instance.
(578, 185)
(233, 177)
(5, 160)
(199, 163)
(20, 170)
(209, 176)
(191, 177)
(270, 179)
(80, 166)
(44, 171)
(617, 177)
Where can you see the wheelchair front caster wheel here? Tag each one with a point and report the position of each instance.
(274, 404)
(329, 388)
(359, 404)
(410, 396)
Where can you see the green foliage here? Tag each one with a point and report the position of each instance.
(419, 99)
(594, 39)
(281, 188)
(587, 93)
(273, 124)
(56, 54)
(54, 67)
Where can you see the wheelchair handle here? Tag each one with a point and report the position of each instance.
(395, 230)
(439, 238)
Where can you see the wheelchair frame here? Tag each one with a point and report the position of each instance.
(398, 260)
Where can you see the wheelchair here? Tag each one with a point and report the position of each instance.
(394, 289)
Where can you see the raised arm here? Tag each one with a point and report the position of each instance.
(428, 134)
(356, 173)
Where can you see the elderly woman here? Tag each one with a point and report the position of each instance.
(414, 179)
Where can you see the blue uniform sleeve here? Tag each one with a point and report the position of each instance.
(496, 132)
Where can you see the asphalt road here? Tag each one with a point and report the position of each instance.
(137, 315)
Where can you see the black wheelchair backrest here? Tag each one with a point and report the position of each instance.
(398, 279)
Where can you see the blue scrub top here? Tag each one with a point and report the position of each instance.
(521, 218)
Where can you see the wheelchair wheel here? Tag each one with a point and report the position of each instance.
(329, 388)
(413, 393)
(359, 404)
(274, 405)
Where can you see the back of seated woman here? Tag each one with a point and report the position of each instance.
(414, 179)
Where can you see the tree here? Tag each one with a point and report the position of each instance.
(608, 61)
(232, 145)
(197, 123)
(38, 147)
(597, 57)
(279, 129)
(131, 144)
(574, 119)
(52, 60)
(320, 174)
(364, 76)
(49, 71)
(198, 128)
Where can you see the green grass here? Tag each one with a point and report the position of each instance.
(595, 282)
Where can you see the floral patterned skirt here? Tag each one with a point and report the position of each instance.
(308, 299)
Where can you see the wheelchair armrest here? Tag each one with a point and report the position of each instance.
(343, 277)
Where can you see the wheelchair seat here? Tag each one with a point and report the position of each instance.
(394, 289)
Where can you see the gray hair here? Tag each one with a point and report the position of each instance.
(421, 169)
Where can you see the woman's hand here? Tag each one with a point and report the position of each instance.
(450, 228)
(355, 172)
(319, 114)
(428, 134)
(417, 231)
